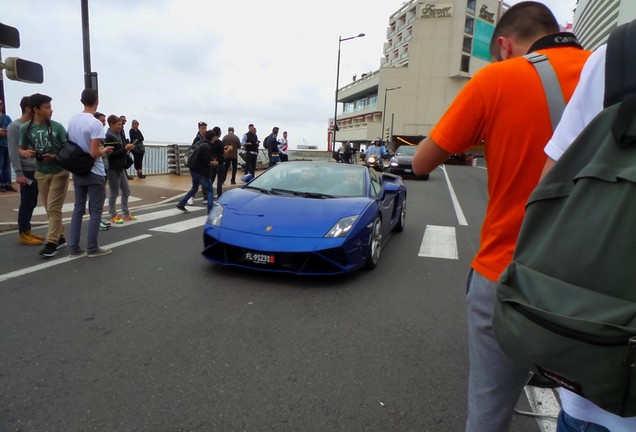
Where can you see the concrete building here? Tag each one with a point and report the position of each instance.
(432, 50)
(595, 19)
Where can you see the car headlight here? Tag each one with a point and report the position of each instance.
(216, 214)
(342, 227)
(394, 162)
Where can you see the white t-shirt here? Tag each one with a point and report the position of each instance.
(585, 104)
(82, 128)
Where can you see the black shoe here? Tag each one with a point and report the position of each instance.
(233, 182)
(61, 243)
(10, 188)
(50, 250)
(130, 177)
(141, 176)
(182, 208)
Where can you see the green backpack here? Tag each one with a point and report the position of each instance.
(566, 305)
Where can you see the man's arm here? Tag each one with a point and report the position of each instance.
(13, 139)
(428, 156)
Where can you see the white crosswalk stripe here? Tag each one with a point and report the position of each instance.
(439, 242)
(68, 207)
(161, 214)
(178, 227)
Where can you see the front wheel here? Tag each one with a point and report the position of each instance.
(399, 227)
(375, 244)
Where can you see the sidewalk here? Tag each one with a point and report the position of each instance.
(152, 190)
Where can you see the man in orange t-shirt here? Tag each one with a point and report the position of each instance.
(504, 104)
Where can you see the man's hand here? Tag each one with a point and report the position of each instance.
(21, 180)
(26, 153)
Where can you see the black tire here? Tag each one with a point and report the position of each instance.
(375, 244)
(399, 227)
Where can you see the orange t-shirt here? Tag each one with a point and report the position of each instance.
(505, 105)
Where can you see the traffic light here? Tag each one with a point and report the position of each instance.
(24, 70)
(9, 37)
(387, 134)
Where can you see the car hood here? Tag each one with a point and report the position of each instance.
(273, 215)
(403, 160)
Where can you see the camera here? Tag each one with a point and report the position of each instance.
(39, 155)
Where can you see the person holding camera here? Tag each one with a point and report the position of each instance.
(42, 138)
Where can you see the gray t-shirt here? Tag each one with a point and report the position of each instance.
(19, 163)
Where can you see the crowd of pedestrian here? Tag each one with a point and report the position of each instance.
(215, 156)
(30, 144)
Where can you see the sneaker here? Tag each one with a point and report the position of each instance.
(61, 242)
(190, 201)
(36, 236)
(116, 220)
(29, 240)
(105, 222)
(104, 226)
(77, 253)
(99, 252)
(130, 217)
(50, 250)
(182, 208)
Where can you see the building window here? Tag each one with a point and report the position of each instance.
(469, 26)
(468, 44)
(465, 66)
(470, 6)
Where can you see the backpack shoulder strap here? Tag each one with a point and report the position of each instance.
(620, 64)
(551, 86)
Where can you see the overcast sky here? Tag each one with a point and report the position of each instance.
(171, 64)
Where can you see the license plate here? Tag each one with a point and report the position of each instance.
(408, 171)
(259, 258)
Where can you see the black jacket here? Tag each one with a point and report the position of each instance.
(251, 143)
(204, 156)
(117, 159)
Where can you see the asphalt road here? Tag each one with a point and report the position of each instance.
(155, 338)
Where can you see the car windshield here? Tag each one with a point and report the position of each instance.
(312, 180)
(406, 151)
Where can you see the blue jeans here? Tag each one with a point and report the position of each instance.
(567, 423)
(93, 187)
(495, 381)
(28, 201)
(197, 180)
(5, 166)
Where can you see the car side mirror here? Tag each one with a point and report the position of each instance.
(391, 188)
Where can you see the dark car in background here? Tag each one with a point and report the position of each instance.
(402, 162)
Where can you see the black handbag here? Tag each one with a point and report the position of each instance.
(129, 161)
(72, 158)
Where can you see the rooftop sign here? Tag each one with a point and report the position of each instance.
(436, 10)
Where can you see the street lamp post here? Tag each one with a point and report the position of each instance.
(386, 90)
(335, 111)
